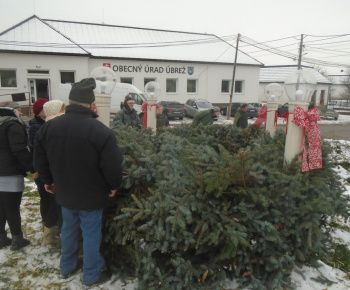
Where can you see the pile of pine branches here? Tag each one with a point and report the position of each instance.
(199, 206)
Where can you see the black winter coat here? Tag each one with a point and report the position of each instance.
(34, 126)
(162, 121)
(15, 158)
(80, 156)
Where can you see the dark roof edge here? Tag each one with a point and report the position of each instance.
(66, 37)
(121, 26)
(283, 82)
(18, 24)
(168, 60)
(289, 65)
(45, 53)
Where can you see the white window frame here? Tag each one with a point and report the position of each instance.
(149, 80)
(127, 80)
(228, 89)
(242, 87)
(9, 70)
(66, 71)
(195, 86)
(166, 85)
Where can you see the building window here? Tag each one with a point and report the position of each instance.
(239, 86)
(67, 77)
(171, 85)
(225, 86)
(126, 80)
(147, 80)
(191, 86)
(8, 78)
(38, 72)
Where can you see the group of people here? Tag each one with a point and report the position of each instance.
(16, 154)
(129, 116)
(77, 166)
(207, 117)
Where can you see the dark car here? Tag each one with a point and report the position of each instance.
(284, 109)
(328, 114)
(173, 109)
(257, 105)
(251, 111)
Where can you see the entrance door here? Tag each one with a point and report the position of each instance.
(39, 88)
(322, 98)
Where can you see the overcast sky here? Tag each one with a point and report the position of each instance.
(261, 20)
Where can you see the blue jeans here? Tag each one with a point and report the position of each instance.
(90, 223)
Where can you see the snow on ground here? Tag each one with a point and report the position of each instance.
(37, 267)
(343, 119)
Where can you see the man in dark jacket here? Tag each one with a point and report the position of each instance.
(206, 117)
(241, 119)
(128, 115)
(78, 158)
(162, 120)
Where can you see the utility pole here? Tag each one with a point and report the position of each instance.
(299, 59)
(228, 113)
(300, 51)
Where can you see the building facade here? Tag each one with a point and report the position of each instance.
(278, 74)
(42, 58)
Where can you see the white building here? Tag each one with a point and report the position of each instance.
(43, 57)
(278, 74)
(340, 86)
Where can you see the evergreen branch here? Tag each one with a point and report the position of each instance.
(130, 210)
(138, 202)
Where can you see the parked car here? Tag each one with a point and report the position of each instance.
(284, 109)
(328, 114)
(193, 106)
(257, 105)
(251, 111)
(173, 109)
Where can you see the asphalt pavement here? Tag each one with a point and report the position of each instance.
(337, 130)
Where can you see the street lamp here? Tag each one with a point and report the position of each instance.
(105, 83)
(152, 90)
(273, 92)
(299, 87)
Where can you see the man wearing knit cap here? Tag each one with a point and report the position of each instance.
(79, 160)
(127, 115)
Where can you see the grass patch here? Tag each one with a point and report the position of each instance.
(340, 259)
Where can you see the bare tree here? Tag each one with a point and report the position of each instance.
(322, 70)
(346, 83)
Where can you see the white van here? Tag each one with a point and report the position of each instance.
(119, 93)
(117, 96)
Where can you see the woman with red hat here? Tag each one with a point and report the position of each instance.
(48, 208)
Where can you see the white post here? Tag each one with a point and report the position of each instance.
(294, 139)
(270, 117)
(151, 114)
(103, 105)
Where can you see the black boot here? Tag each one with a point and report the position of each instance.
(4, 241)
(18, 242)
